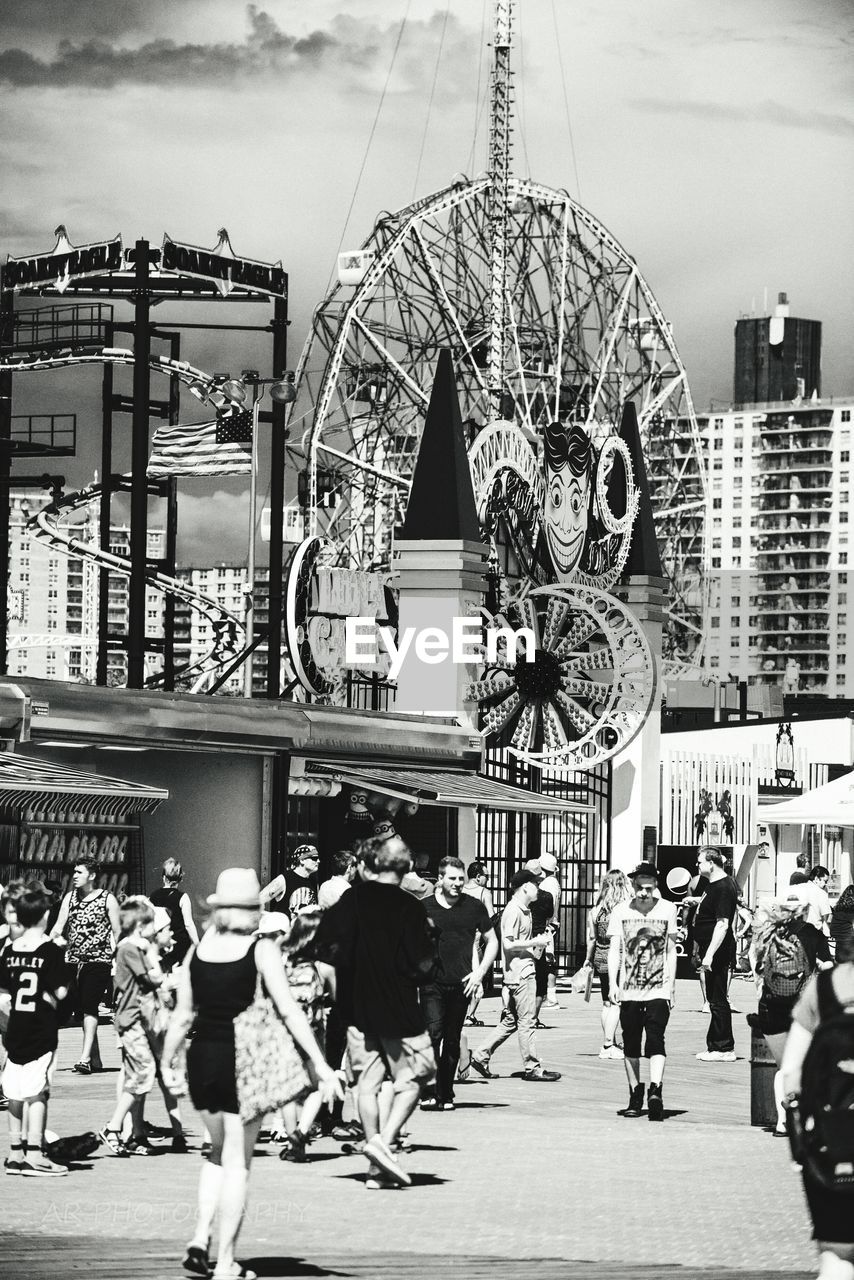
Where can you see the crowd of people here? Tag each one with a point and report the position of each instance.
(342, 1007)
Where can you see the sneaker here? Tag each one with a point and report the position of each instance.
(729, 1055)
(605, 1051)
(482, 1068)
(113, 1141)
(551, 1004)
(616, 1052)
(448, 1106)
(83, 1067)
(707, 1008)
(717, 1055)
(377, 1151)
(541, 1074)
(350, 1132)
(379, 1181)
(635, 1107)
(654, 1103)
(39, 1166)
(14, 1162)
(430, 1104)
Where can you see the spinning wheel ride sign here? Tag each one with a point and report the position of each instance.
(568, 516)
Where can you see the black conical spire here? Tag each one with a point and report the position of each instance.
(441, 500)
(644, 558)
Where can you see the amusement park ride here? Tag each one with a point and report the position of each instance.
(557, 343)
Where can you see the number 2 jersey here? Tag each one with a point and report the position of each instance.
(32, 977)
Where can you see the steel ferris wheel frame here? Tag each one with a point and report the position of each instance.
(581, 335)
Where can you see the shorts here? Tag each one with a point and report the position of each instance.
(23, 1081)
(774, 1016)
(639, 1016)
(604, 984)
(211, 1075)
(405, 1060)
(92, 986)
(830, 1211)
(138, 1060)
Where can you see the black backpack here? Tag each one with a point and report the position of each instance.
(822, 1125)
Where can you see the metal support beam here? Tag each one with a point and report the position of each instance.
(105, 511)
(7, 322)
(139, 462)
(277, 504)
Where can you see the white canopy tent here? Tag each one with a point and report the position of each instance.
(831, 804)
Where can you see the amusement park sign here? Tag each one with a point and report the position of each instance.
(64, 263)
(224, 268)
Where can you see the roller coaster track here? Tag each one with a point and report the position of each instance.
(46, 524)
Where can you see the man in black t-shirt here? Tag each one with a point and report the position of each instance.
(297, 888)
(460, 922)
(713, 934)
(381, 944)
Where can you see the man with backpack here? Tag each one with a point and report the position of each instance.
(818, 1077)
(785, 953)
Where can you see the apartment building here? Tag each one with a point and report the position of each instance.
(779, 523)
(53, 599)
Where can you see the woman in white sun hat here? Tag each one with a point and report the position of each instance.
(217, 983)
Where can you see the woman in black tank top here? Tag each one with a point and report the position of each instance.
(216, 985)
(177, 902)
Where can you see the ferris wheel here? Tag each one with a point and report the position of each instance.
(547, 318)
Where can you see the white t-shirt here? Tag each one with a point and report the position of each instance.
(643, 949)
(819, 909)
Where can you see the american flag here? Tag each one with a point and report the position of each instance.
(220, 448)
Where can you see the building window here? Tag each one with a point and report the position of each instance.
(713, 662)
(845, 415)
(716, 544)
(718, 465)
(736, 542)
(736, 600)
(718, 442)
(840, 682)
(843, 557)
(842, 597)
(717, 503)
(736, 562)
(716, 562)
(840, 638)
(845, 455)
(715, 620)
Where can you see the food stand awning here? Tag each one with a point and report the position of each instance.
(446, 787)
(36, 784)
(831, 804)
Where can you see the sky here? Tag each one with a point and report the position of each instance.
(714, 141)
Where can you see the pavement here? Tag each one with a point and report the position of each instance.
(523, 1180)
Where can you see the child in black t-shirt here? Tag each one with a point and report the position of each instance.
(33, 971)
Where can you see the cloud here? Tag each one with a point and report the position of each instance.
(767, 112)
(358, 47)
(216, 520)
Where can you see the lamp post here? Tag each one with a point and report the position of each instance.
(282, 392)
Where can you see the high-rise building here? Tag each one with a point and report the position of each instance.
(194, 636)
(777, 357)
(53, 599)
(779, 519)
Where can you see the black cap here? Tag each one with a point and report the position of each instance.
(645, 869)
